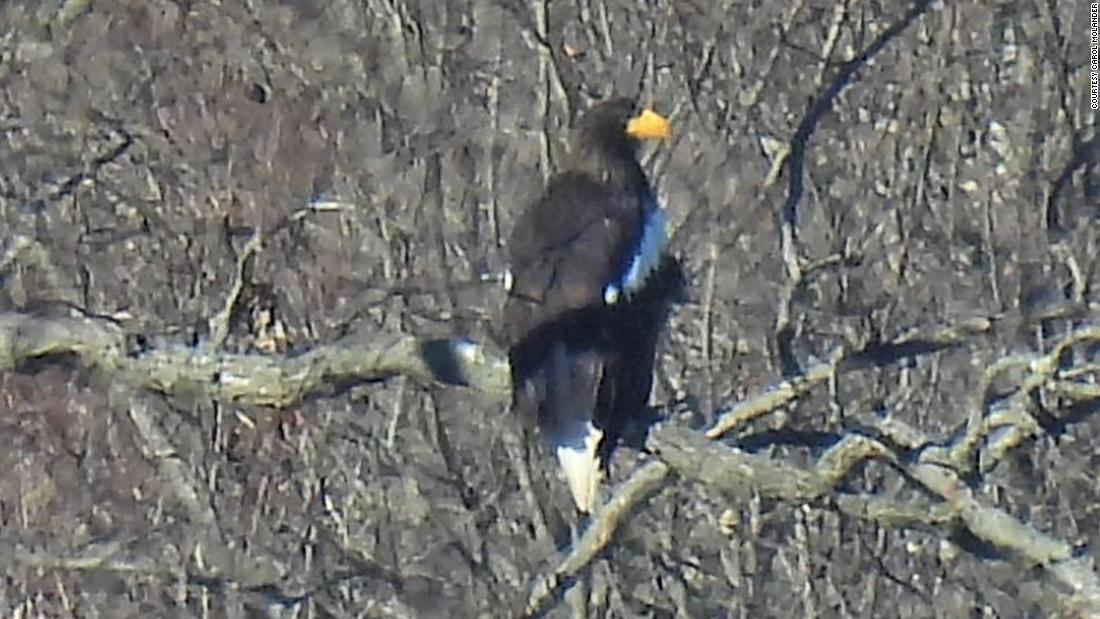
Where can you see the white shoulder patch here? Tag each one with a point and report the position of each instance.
(645, 259)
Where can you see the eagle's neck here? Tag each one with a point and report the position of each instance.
(610, 159)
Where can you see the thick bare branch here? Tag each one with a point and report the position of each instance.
(281, 381)
(251, 378)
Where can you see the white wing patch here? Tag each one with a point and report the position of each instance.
(645, 259)
(648, 256)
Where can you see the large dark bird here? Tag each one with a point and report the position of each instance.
(588, 295)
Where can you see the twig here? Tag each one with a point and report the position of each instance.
(776, 397)
(219, 324)
(842, 358)
(601, 530)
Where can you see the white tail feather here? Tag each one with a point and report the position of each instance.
(581, 465)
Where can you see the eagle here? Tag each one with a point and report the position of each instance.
(589, 286)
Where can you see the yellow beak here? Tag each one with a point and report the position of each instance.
(648, 125)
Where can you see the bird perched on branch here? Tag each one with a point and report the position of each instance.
(589, 289)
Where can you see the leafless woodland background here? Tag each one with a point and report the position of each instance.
(953, 177)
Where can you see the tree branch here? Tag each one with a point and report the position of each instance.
(938, 466)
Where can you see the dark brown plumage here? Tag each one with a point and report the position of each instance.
(589, 294)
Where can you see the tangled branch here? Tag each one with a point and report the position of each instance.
(993, 428)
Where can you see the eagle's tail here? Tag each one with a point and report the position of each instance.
(580, 461)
